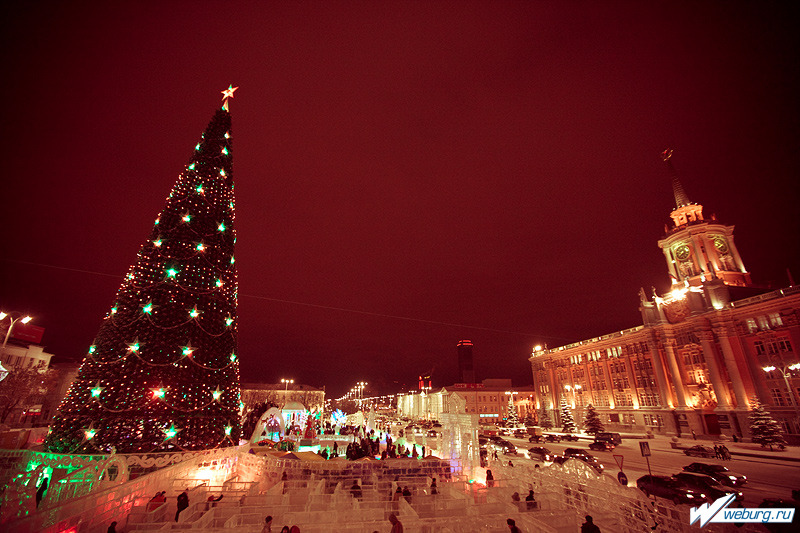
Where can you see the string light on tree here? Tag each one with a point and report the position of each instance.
(163, 393)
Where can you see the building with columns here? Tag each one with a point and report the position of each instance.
(704, 349)
(489, 400)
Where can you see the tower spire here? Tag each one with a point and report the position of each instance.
(681, 199)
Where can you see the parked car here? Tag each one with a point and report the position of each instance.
(605, 436)
(707, 485)
(671, 489)
(541, 453)
(601, 446)
(718, 472)
(550, 437)
(700, 451)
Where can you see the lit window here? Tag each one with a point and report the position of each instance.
(775, 320)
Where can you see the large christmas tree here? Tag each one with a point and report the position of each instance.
(163, 372)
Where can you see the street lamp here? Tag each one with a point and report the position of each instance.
(286, 389)
(572, 389)
(360, 389)
(785, 375)
(24, 319)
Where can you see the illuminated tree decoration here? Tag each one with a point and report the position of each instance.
(96, 390)
(143, 387)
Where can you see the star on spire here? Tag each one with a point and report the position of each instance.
(227, 93)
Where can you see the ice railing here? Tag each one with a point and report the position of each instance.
(95, 510)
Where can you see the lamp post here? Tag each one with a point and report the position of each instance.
(785, 374)
(572, 389)
(286, 389)
(24, 319)
(360, 389)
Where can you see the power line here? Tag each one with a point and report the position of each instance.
(319, 306)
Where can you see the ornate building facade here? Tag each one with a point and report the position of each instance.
(705, 348)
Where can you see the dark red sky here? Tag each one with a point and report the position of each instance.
(489, 164)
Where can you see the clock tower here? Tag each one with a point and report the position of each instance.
(698, 250)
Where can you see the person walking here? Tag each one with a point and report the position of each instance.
(267, 525)
(589, 526)
(397, 526)
(355, 490)
(41, 490)
(512, 525)
(530, 501)
(489, 478)
(434, 488)
(112, 528)
(183, 502)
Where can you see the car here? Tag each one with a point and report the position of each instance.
(707, 485)
(541, 453)
(550, 437)
(520, 434)
(613, 438)
(601, 446)
(671, 489)
(586, 459)
(535, 438)
(700, 451)
(504, 446)
(570, 437)
(718, 472)
(571, 452)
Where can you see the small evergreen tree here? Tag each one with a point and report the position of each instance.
(529, 420)
(592, 423)
(544, 419)
(513, 417)
(567, 419)
(763, 428)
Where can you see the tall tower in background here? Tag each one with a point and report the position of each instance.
(699, 250)
(466, 368)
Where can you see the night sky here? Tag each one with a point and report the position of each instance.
(407, 174)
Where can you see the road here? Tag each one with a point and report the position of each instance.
(766, 478)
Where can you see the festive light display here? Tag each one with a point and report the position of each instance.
(162, 373)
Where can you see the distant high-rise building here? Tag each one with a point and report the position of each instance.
(466, 368)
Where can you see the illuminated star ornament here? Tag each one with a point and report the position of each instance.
(227, 93)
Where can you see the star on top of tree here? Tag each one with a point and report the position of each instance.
(227, 93)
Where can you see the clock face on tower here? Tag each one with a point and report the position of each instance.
(721, 245)
(682, 252)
